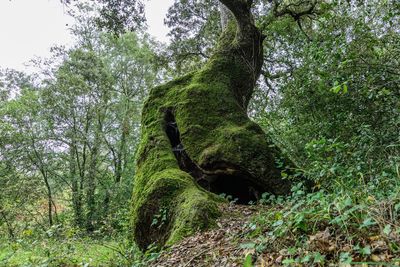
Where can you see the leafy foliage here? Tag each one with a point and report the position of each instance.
(69, 138)
(115, 16)
(333, 99)
(195, 28)
(321, 227)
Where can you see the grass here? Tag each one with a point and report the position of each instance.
(70, 252)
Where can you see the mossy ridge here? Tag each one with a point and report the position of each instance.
(159, 183)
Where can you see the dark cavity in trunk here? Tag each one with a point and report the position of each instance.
(216, 179)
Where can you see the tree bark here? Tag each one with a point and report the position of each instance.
(91, 179)
(76, 192)
(197, 141)
(41, 166)
(10, 229)
(225, 15)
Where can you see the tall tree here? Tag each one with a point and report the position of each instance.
(25, 150)
(197, 140)
(92, 105)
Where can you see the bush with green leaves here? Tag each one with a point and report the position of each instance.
(322, 227)
(333, 92)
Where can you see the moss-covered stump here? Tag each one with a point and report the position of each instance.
(197, 141)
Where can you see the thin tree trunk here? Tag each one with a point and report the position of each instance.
(38, 161)
(91, 181)
(76, 193)
(122, 150)
(49, 202)
(8, 223)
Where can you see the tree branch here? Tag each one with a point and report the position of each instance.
(295, 14)
(241, 11)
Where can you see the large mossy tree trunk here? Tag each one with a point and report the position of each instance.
(197, 141)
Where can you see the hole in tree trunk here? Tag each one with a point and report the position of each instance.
(216, 179)
(236, 187)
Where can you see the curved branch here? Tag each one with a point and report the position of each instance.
(296, 15)
(241, 42)
(241, 10)
(302, 30)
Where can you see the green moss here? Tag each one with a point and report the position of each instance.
(210, 110)
(160, 183)
(196, 211)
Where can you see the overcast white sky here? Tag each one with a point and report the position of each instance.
(28, 28)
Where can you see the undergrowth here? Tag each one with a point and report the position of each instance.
(86, 251)
(348, 227)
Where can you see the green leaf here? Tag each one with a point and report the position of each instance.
(318, 258)
(345, 257)
(397, 207)
(277, 223)
(305, 259)
(154, 222)
(367, 222)
(366, 250)
(248, 261)
(345, 88)
(387, 229)
(278, 215)
(348, 202)
(248, 245)
(292, 250)
(336, 89)
(288, 261)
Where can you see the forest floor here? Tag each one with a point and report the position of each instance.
(217, 247)
(239, 240)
